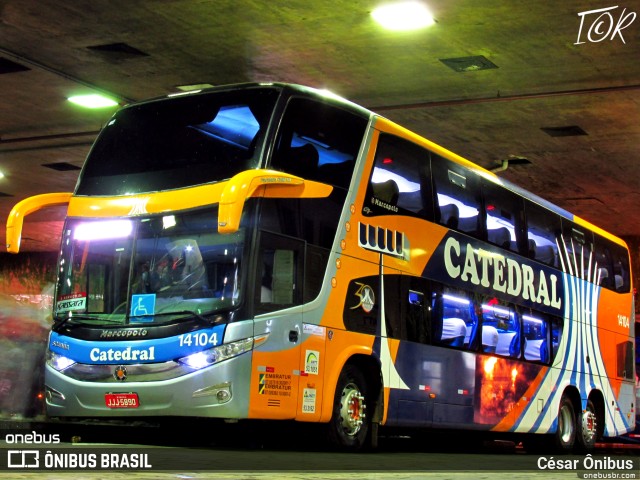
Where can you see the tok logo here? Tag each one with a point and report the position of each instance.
(601, 24)
(366, 296)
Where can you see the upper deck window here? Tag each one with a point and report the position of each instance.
(318, 141)
(543, 229)
(178, 142)
(401, 180)
(504, 216)
(458, 192)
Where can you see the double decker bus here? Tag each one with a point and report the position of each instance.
(271, 251)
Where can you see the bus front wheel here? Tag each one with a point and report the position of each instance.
(350, 422)
(565, 436)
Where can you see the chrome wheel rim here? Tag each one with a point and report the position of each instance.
(589, 426)
(352, 409)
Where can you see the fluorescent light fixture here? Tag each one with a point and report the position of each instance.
(195, 86)
(455, 299)
(168, 222)
(93, 101)
(1, 175)
(103, 230)
(399, 16)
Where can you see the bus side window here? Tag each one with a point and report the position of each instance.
(417, 328)
(278, 283)
(454, 320)
(624, 360)
(417, 311)
(314, 221)
(500, 329)
(556, 335)
(543, 228)
(458, 204)
(504, 217)
(621, 269)
(400, 181)
(318, 141)
(577, 243)
(605, 276)
(612, 265)
(535, 337)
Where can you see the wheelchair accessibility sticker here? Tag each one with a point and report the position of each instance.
(143, 305)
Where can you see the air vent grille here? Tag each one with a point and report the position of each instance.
(121, 50)
(468, 64)
(7, 66)
(61, 166)
(567, 131)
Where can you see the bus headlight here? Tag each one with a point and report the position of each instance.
(58, 362)
(221, 352)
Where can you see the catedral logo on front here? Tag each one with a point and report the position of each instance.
(127, 354)
(130, 346)
(496, 272)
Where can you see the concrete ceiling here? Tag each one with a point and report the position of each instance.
(554, 68)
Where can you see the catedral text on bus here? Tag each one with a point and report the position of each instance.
(270, 251)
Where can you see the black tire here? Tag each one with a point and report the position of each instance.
(350, 424)
(565, 436)
(588, 429)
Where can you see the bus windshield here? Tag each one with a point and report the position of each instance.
(178, 142)
(149, 270)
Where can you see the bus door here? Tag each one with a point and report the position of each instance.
(278, 307)
(409, 368)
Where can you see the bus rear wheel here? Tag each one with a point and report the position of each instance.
(350, 423)
(588, 428)
(565, 436)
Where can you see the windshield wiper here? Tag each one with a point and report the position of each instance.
(202, 319)
(58, 322)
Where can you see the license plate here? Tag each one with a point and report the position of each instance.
(121, 400)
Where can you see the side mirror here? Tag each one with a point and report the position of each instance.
(271, 184)
(24, 208)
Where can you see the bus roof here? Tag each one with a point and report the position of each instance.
(326, 95)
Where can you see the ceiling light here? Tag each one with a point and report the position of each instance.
(93, 101)
(409, 15)
(195, 86)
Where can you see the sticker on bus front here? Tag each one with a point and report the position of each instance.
(72, 302)
(142, 306)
